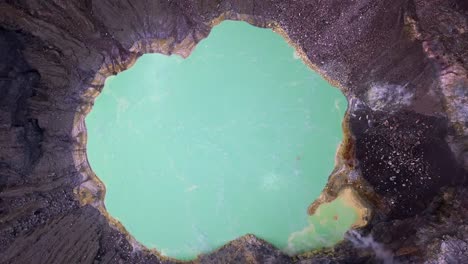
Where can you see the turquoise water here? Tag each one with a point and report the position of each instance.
(238, 138)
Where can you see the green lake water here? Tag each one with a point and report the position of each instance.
(238, 138)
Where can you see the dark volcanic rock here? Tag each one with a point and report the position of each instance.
(247, 249)
(402, 65)
(404, 157)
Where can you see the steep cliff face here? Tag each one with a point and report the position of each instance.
(402, 65)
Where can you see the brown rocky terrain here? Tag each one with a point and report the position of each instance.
(402, 64)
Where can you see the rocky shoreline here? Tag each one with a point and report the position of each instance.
(401, 64)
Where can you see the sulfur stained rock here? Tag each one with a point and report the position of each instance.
(402, 65)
